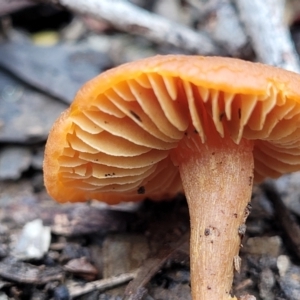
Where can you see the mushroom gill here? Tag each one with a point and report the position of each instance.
(144, 118)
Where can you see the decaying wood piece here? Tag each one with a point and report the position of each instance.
(271, 40)
(127, 17)
(26, 273)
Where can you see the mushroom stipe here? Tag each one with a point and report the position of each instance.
(208, 126)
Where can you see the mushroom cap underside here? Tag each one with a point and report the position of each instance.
(116, 140)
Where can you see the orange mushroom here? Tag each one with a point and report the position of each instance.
(147, 128)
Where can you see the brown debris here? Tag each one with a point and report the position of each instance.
(70, 220)
(81, 267)
(27, 273)
(136, 288)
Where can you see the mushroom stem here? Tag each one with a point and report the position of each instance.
(217, 181)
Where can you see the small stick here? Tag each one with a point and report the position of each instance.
(270, 37)
(128, 17)
(100, 285)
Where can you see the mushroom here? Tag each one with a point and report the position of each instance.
(207, 125)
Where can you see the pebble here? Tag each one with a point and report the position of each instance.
(283, 264)
(33, 242)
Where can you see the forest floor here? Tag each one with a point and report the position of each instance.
(90, 250)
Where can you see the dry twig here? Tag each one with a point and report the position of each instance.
(269, 35)
(100, 285)
(127, 17)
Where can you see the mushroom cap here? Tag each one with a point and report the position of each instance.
(116, 141)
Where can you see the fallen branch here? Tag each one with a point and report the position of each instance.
(270, 37)
(127, 17)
